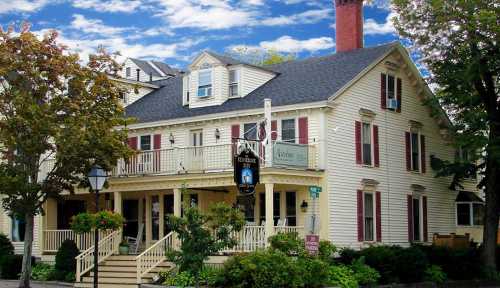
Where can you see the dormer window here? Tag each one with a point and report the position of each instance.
(138, 71)
(205, 83)
(128, 72)
(234, 77)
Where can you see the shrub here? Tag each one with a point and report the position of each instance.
(267, 268)
(347, 256)
(6, 247)
(10, 266)
(342, 276)
(383, 259)
(107, 220)
(82, 223)
(65, 259)
(208, 276)
(314, 272)
(182, 279)
(288, 243)
(410, 264)
(42, 272)
(364, 274)
(458, 264)
(435, 274)
(211, 276)
(326, 250)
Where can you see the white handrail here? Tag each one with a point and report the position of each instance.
(153, 256)
(53, 239)
(107, 247)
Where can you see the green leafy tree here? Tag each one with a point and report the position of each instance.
(458, 44)
(53, 107)
(202, 235)
(259, 57)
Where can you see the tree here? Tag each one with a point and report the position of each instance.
(259, 57)
(53, 107)
(202, 235)
(458, 44)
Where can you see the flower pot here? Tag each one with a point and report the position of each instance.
(123, 250)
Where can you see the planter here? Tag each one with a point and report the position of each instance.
(123, 250)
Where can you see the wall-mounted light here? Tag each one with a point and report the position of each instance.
(171, 138)
(217, 134)
(303, 206)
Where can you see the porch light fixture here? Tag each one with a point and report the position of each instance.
(217, 134)
(303, 206)
(97, 177)
(171, 139)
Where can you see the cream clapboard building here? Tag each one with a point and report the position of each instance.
(353, 123)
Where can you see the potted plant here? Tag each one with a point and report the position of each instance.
(124, 248)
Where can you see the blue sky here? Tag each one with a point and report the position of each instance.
(175, 31)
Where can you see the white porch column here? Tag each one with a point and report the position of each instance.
(269, 210)
(177, 202)
(118, 203)
(149, 223)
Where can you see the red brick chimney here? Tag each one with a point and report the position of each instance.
(349, 26)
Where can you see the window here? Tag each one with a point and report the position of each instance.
(470, 214)
(288, 130)
(368, 217)
(205, 83)
(155, 217)
(366, 136)
(415, 153)
(128, 72)
(18, 230)
(250, 131)
(234, 76)
(416, 219)
(391, 87)
(276, 207)
(145, 142)
(291, 204)
(138, 72)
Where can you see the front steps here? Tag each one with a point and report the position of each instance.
(119, 271)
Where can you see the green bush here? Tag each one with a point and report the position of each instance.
(364, 274)
(410, 264)
(313, 271)
(182, 279)
(347, 256)
(435, 274)
(267, 268)
(383, 259)
(326, 250)
(6, 247)
(42, 272)
(65, 259)
(342, 276)
(209, 276)
(70, 277)
(458, 264)
(288, 243)
(107, 220)
(82, 223)
(10, 266)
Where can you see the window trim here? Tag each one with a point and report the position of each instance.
(280, 129)
(471, 214)
(139, 142)
(374, 216)
(372, 146)
(419, 148)
(207, 88)
(420, 218)
(395, 97)
(242, 130)
(236, 83)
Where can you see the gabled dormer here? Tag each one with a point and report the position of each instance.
(213, 79)
(146, 71)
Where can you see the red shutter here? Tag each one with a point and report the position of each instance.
(408, 151)
(422, 150)
(274, 130)
(424, 216)
(378, 215)
(383, 96)
(132, 165)
(157, 146)
(303, 131)
(376, 155)
(235, 134)
(360, 217)
(132, 143)
(398, 93)
(410, 218)
(357, 141)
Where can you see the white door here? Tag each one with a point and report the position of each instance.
(195, 152)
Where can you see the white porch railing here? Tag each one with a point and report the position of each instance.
(107, 247)
(289, 229)
(250, 238)
(53, 239)
(154, 255)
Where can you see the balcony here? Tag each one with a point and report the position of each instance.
(207, 159)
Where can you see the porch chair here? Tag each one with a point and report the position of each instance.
(135, 243)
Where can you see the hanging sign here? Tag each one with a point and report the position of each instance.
(246, 171)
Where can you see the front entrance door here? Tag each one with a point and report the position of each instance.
(131, 215)
(195, 152)
(168, 202)
(66, 210)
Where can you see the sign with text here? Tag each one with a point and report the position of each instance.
(289, 154)
(246, 171)
(314, 191)
(312, 244)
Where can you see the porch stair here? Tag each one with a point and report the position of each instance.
(120, 271)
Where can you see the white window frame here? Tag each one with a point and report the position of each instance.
(374, 216)
(295, 129)
(419, 148)
(372, 146)
(387, 86)
(236, 83)
(471, 213)
(207, 88)
(139, 142)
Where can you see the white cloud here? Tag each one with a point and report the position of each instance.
(307, 17)
(380, 4)
(95, 26)
(23, 5)
(124, 6)
(288, 44)
(253, 2)
(371, 27)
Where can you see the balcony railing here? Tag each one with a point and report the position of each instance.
(205, 159)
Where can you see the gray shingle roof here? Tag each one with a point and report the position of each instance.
(148, 69)
(302, 81)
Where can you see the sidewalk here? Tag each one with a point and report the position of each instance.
(34, 284)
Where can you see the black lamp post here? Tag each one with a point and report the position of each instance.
(97, 177)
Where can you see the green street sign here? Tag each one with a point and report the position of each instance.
(314, 191)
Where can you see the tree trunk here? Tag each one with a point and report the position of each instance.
(492, 201)
(24, 281)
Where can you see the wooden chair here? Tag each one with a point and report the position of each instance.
(135, 242)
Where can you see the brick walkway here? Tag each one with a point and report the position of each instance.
(34, 284)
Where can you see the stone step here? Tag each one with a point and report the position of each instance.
(127, 274)
(90, 285)
(117, 279)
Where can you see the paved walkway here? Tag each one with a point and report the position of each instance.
(34, 284)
